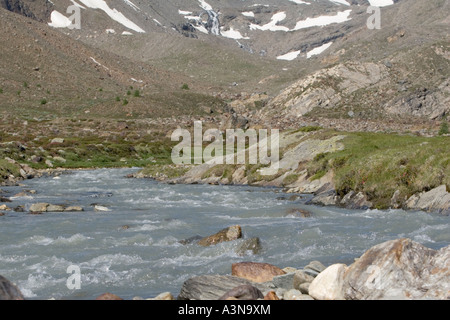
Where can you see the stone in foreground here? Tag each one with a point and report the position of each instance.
(213, 287)
(243, 292)
(399, 269)
(255, 271)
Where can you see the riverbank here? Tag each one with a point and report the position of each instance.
(350, 170)
(347, 169)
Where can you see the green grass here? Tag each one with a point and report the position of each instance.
(7, 169)
(291, 178)
(379, 164)
(443, 128)
(308, 129)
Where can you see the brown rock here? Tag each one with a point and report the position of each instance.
(108, 296)
(271, 295)
(227, 234)
(243, 292)
(255, 271)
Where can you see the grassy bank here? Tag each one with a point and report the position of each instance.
(378, 164)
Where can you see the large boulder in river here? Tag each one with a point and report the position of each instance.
(395, 270)
(255, 271)
(227, 234)
(9, 291)
(399, 269)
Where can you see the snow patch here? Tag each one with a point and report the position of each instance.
(323, 20)
(272, 25)
(131, 4)
(248, 14)
(299, 2)
(344, 2)
(381, 3)
(201, 29)
(289, 56)
(112, 13)
(232, 34)
(318, 50)
(59, 20)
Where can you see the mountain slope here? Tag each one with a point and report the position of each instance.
(400, 73)
(46, 73)
(232, 49)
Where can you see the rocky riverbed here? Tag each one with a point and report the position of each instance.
(136, 238)
(394, 270)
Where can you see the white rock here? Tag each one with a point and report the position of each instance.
(101, 208)
(328, 285)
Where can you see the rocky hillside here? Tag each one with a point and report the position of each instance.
(331, 63)
(46, 74)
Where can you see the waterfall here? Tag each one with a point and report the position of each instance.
(213, 22)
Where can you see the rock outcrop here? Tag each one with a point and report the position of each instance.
(436, 200)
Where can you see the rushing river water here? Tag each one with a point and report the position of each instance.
(147, 259)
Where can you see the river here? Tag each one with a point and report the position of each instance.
(145, 258)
